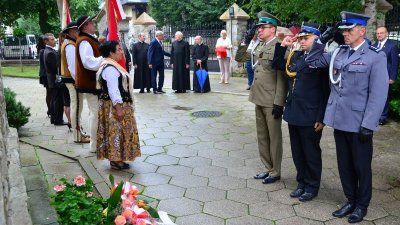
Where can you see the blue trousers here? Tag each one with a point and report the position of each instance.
(160, 69)
(250, 73)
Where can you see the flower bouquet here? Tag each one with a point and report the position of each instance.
(75, 204)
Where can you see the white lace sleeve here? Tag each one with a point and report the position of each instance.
(111, 75)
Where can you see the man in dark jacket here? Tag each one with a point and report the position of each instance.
(200, 57)
(392, 54)
(155, 59)
(51, 60)
(142, 78)
(304, 112)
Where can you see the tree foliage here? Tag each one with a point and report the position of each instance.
(43, 13)
(199, 12)
(187, 11)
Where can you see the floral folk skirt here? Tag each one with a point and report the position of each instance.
(117, 140)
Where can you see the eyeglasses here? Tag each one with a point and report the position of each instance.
(265, 27)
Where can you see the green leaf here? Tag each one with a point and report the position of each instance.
(111, 177)
(153, 212)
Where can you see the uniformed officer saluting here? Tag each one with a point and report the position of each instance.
(359, 84)
(268, 93)
(304, 112)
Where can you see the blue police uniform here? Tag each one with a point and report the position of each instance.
(359, 84)
(305, 105)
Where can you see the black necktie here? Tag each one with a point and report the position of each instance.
(351, 52)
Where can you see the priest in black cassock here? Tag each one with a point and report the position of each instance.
(200, 57)
(142, 77)
(180, 62)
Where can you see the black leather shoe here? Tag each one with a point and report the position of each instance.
(156, 92)
(141, 91)
(261, 175)
(345, 210)
(297, 193)
(61, 124)
(161, 91)
(270, 180)
(307, 196)
(148, 90)
(357, 215)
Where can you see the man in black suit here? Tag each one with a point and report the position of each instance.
(155, 59)
(392, 54)
(304, 112)
(51, 63)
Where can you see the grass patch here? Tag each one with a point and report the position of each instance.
(15, 71)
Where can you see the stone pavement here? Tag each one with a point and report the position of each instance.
(200, 170)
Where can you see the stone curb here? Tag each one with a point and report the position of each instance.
(17, 196)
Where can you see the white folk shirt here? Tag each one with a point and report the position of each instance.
(70, 53)
(88, 60)
(225, 43)
(111, 75)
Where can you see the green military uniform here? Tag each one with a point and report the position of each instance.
(269, 88)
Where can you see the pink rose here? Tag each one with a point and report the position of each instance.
(80, 181)
(140, 222)
(59, 188)
(120, 220)
(126, 203)
(127, 214)
(89, 194)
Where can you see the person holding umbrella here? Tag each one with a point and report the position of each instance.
(201, 82)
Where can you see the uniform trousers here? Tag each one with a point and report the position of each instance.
(75, 114)
(56, 105)
(354, 162)
(269, 135)
(93, 104)
(160, 69)
(306, 153)
(225, 67)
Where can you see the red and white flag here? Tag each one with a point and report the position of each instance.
(115, 13)
(66, 16)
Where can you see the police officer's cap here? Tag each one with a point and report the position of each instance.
(351, 19)
(267, 18)
(82, 21)
(70, 26)
(309, 29)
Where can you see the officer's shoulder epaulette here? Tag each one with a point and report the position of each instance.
(374, 49)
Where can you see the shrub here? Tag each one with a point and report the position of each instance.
(394, 101)
(17, 114)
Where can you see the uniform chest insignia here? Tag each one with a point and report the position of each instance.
(357, 63)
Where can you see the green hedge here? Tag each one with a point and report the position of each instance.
(394, 100)
(17, 114)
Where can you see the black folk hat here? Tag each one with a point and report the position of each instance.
(71, 25)
(83, 20)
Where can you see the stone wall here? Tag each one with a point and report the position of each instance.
(13, 197)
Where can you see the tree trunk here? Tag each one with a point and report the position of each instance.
(370, 10)
(43, 17)
(20, 55)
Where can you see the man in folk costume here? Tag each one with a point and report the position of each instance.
(268, 93)
(88, 60)
(359, 85)
(180, 63)
(68, 76)
(304, 113)
(139, 61)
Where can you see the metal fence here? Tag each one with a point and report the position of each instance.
(209, 32)
(393, 23)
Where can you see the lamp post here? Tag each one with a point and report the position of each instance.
(231, 15)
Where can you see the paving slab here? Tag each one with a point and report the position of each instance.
(200, 170)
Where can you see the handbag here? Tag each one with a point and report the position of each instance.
(221, 52)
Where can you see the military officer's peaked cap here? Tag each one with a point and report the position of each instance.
(71, 25)
(83, 20)
(309, 29)
(267, 18)
(350, 20)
